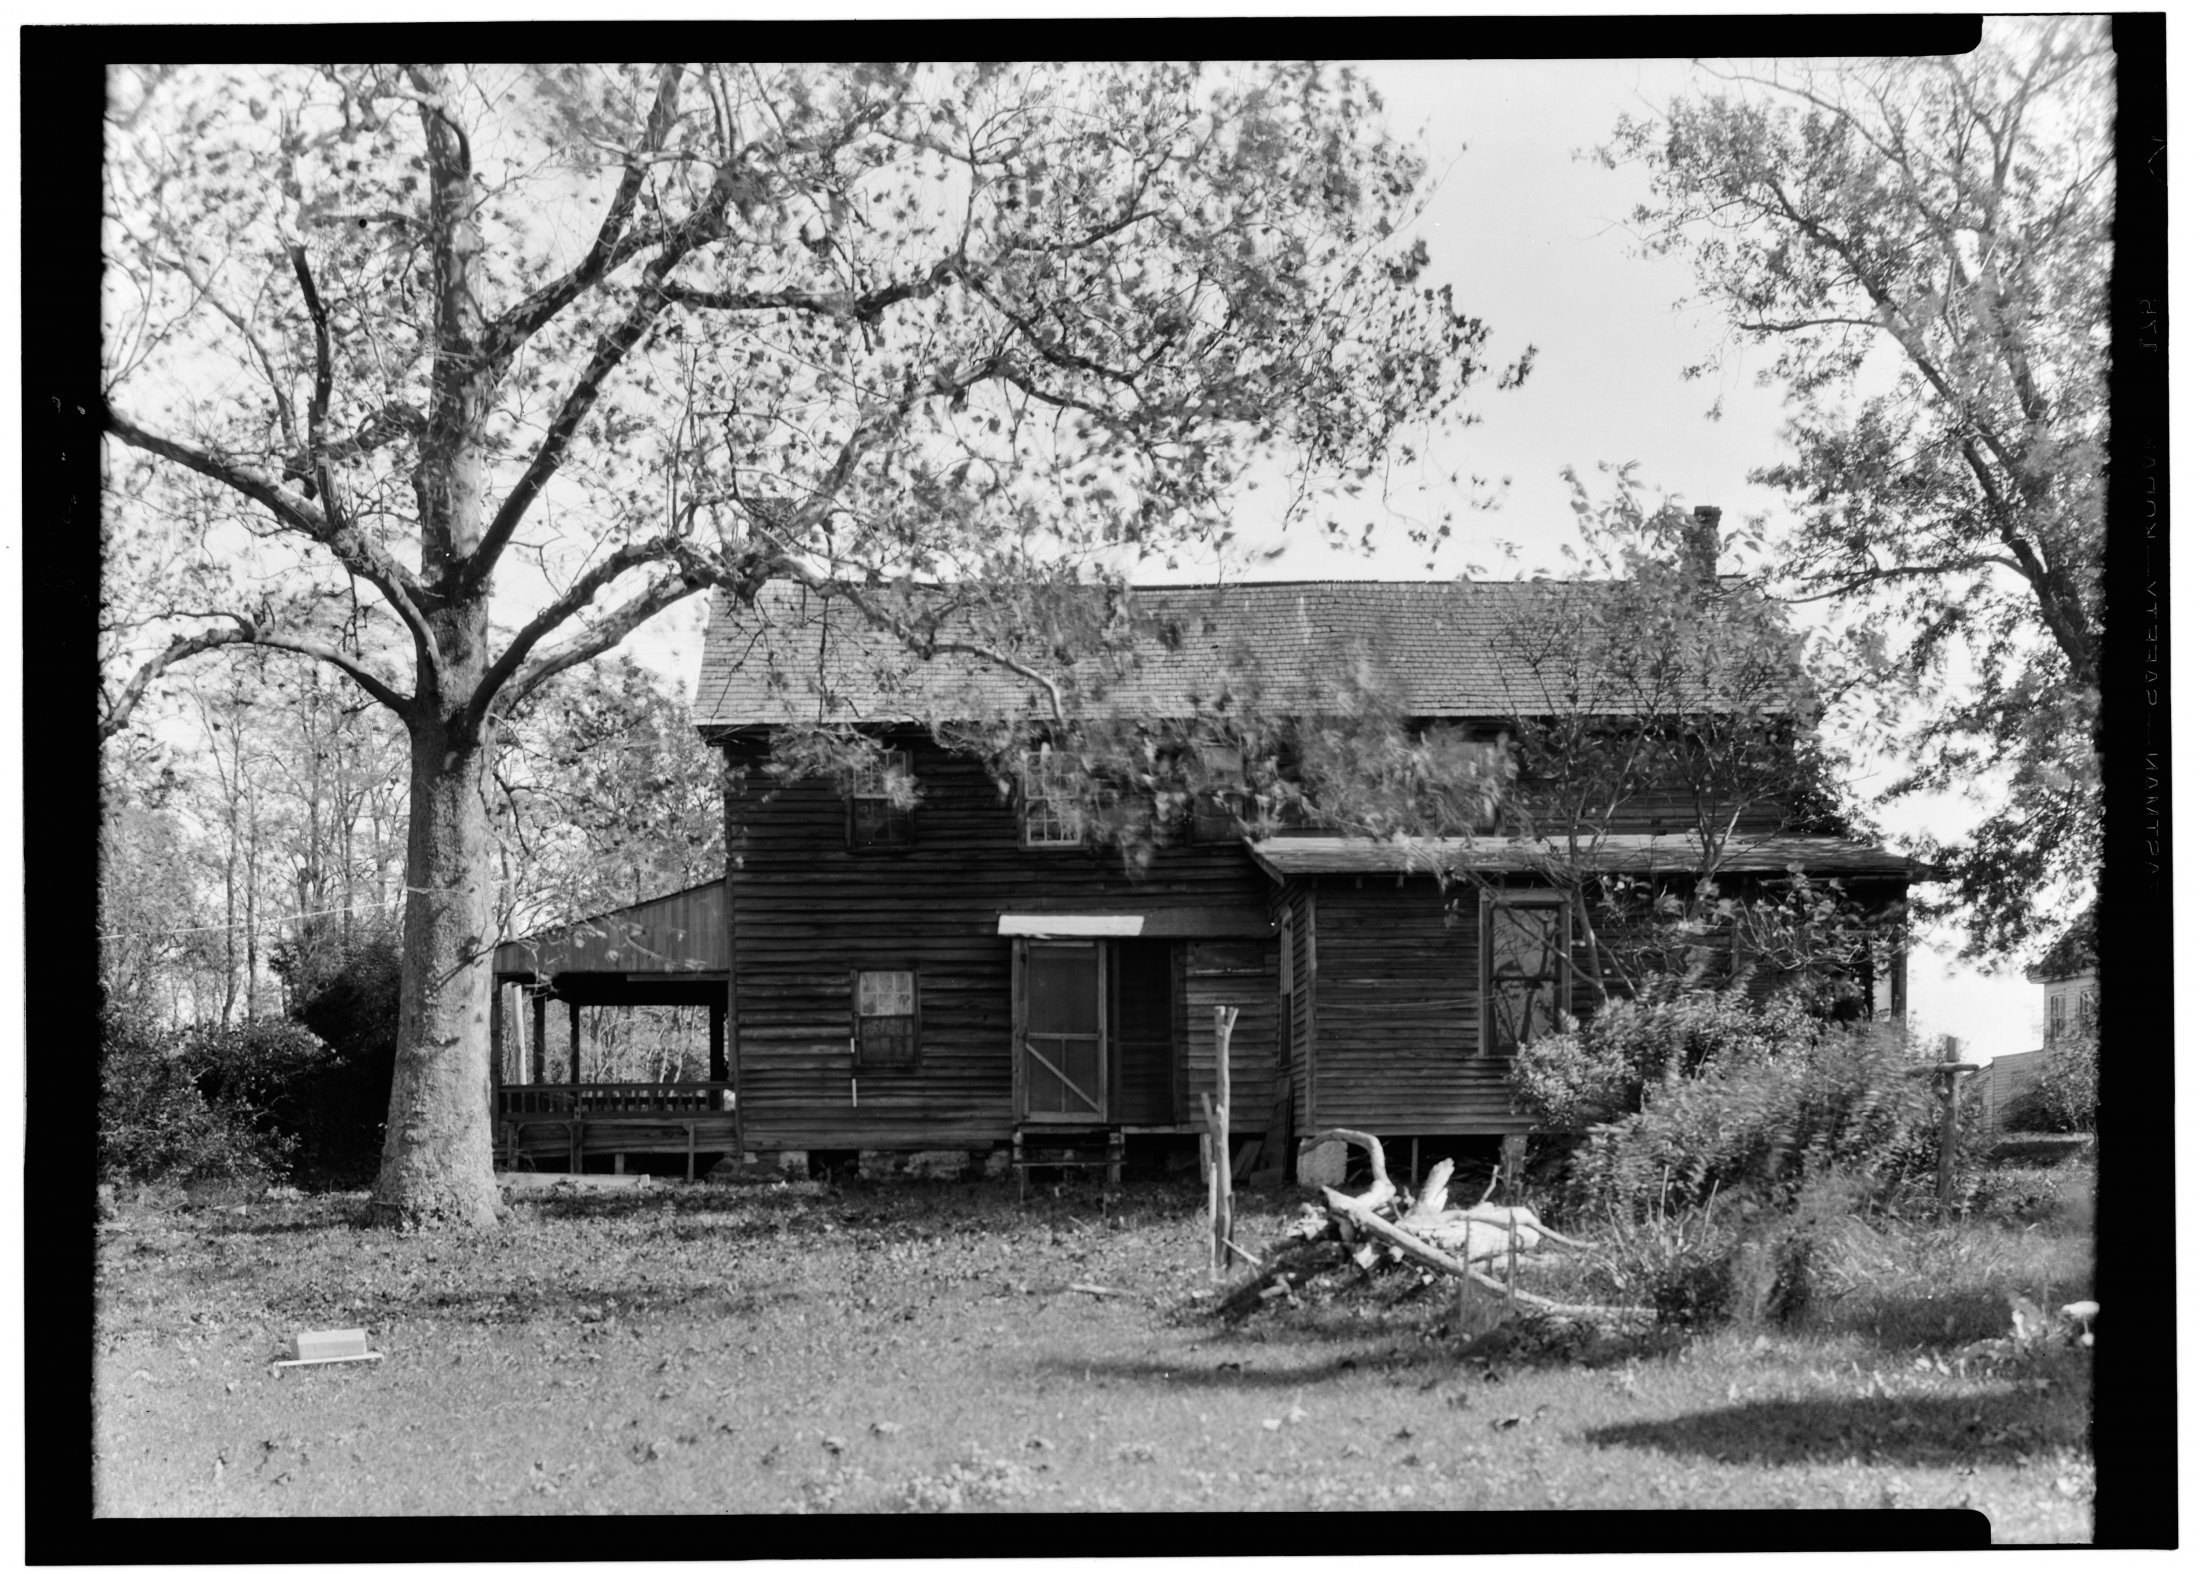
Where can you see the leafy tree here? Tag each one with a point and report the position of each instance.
(452, 378)
(604, 796)
(1925, 245)
(149, 915)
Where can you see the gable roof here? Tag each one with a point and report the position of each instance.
(1433, 648)
(2073, 955)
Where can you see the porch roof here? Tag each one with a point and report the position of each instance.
(1221, 922)
(677, 935)
(1287, 857)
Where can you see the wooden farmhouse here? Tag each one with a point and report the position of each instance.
(936, 952)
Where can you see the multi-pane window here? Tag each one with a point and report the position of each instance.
(882, 803)
(886, 1019)
(2054, 1017)
(1523, 970)
(1052, 815)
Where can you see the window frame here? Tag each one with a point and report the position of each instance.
(915, 1058)
(900, 825)
(1561, 980)
(1033, 799)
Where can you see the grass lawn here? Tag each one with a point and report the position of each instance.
(919, 1347)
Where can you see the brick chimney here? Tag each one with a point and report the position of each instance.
(1700, 544)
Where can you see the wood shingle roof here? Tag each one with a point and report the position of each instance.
(1431, 648)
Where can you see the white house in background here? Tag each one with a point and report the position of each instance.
(2068, 975)
(2070, 992)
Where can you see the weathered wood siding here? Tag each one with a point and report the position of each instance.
(1296, 901)
(806, 913)
(1240, 973)
(1397, 1017)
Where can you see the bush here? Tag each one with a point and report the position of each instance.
(156, 1122)
(1599, 1070)
(1776, 1099)
(2069, 1089)
(347, 995)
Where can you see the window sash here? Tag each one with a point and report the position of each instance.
(1525, 973)
(874, 819)
(884, 1005)
(1051, 815)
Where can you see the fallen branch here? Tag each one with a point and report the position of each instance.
(1289, 1268)
(1382, 1189)
(1098, 1289)
(1360, 1216)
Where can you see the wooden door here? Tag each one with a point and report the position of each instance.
(1145, 1009)
(1061, 1050)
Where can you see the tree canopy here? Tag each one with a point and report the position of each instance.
(451, 378)
(1924, 245)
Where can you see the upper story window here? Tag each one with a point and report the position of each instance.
(1052, 815)
(1524, 941)
(1219, 806)
(882, 809)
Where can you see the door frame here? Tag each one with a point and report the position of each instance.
(1019, 1081)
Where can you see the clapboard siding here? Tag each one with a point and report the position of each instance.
(806, 913)
(1240, 973)
(1397, 1018)
(1298, 901)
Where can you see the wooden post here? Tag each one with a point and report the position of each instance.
(1947, 1074)
(1218, 1123)
(539, 1071)
(573, 1038)
(496, 1056)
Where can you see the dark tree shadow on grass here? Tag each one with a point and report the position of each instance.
(1943, 1322)
(1195, 1372)
(2005, 1427)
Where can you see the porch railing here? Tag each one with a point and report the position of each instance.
(587, 1099)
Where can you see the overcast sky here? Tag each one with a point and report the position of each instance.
(1535, 242)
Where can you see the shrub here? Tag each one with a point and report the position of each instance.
(156, 1123)
(347, 995)
(1599, 1070)
(252, 1067)
(2068, 1091)
(1834, 1101)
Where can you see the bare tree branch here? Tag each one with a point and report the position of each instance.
(247, 632)
(613, 246)
(357, 553)
(700, 227)
(563, 608)
(604, 636)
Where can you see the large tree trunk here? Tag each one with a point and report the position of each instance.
(437, 1154)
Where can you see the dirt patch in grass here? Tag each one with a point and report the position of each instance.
(922, 1348)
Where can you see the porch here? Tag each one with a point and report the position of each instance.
(670, 951)
(575, 1120)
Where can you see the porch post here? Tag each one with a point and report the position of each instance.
(573, 1038)
(539, 1071)
(496, 1049)
(718, 1041)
